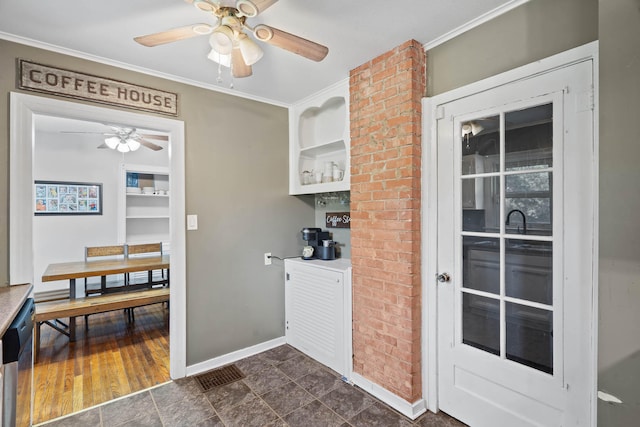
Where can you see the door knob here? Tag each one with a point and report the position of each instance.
(443, 277)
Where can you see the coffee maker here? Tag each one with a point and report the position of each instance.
(319, 244)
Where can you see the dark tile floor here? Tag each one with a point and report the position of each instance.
(283, 387)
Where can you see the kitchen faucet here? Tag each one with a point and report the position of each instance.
(524, 220)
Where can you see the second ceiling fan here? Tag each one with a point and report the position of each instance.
(230, 44)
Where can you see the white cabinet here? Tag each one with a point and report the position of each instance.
(143, 218)
(318, 311)
(319, 142)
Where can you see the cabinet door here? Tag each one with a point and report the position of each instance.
(315, 315)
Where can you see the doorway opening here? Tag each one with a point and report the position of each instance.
(25, 111)
(511, 185)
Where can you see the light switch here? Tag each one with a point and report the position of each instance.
(192, 222)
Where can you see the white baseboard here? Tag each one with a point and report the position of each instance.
(411, 410)
(225, 359)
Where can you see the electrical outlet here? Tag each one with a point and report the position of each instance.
(267, 258)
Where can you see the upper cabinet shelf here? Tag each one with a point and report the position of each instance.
(319, 157)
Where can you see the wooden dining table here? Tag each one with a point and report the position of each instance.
(83, 269)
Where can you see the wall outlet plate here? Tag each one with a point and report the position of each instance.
(267, 258)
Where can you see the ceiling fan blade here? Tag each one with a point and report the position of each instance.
(156, 137)
(175, 34)
(238, 66)
(290, 42)
(103, 145)
(149, 144)
(87, 133)
(205, 5)
(251, 8)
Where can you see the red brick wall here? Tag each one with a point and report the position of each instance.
(386, 115)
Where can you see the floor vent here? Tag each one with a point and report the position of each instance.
(217, 377)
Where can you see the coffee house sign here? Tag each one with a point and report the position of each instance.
(72, 84)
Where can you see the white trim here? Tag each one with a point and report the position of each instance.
(429, 264)
(142, 70)
(596, 235)
(234, 356)
(23, 108)
(488, 16)
(411, 410)
(587, 52)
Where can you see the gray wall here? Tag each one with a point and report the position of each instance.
(619, 302)
(533, 31)
(236, 181)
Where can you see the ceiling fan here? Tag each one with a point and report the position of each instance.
(125, 139)
(230, 44)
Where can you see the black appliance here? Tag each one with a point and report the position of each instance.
(17, 359)
(320, 242)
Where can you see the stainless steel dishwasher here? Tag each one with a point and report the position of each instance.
(17, 360)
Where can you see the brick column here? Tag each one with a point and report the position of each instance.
(386, 120)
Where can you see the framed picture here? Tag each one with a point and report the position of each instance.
(67, 198)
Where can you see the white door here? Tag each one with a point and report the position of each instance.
(514, 252)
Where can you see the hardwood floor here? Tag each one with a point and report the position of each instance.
(110, 360)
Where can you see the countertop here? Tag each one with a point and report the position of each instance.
(11, 300)
(334, 264)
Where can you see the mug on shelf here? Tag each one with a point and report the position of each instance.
(338, 174)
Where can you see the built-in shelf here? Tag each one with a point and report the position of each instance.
(322, 149)
(146, 195)
(319, 142)
(145, 217)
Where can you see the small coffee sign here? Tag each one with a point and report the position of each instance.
(72, 84)
(338, 219)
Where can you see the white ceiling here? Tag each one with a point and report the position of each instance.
(355, 31)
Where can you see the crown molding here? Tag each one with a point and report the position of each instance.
(500, 10)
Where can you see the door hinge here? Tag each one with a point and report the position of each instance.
(439, 112)
(585, 101)
(287, 276)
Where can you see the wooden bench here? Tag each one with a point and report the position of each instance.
(50, 310)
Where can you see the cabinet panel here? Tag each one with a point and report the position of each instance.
(318, 315)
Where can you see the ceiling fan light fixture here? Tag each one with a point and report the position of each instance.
(251, 8)
(133, 144)
(224, 60)
(112, 142)
(251, 52)
(476, 128)
(221, 40)
(123, 148)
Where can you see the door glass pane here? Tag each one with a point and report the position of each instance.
(529, 270)
(481, 264)
(529, 138)
(528, 203)
(480, 145)
(530, 336)
(481, 322)
(480, 204)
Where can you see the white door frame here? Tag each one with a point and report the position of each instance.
(588, 52)
(23, 108)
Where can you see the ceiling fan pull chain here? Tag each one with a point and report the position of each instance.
(219, 80)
